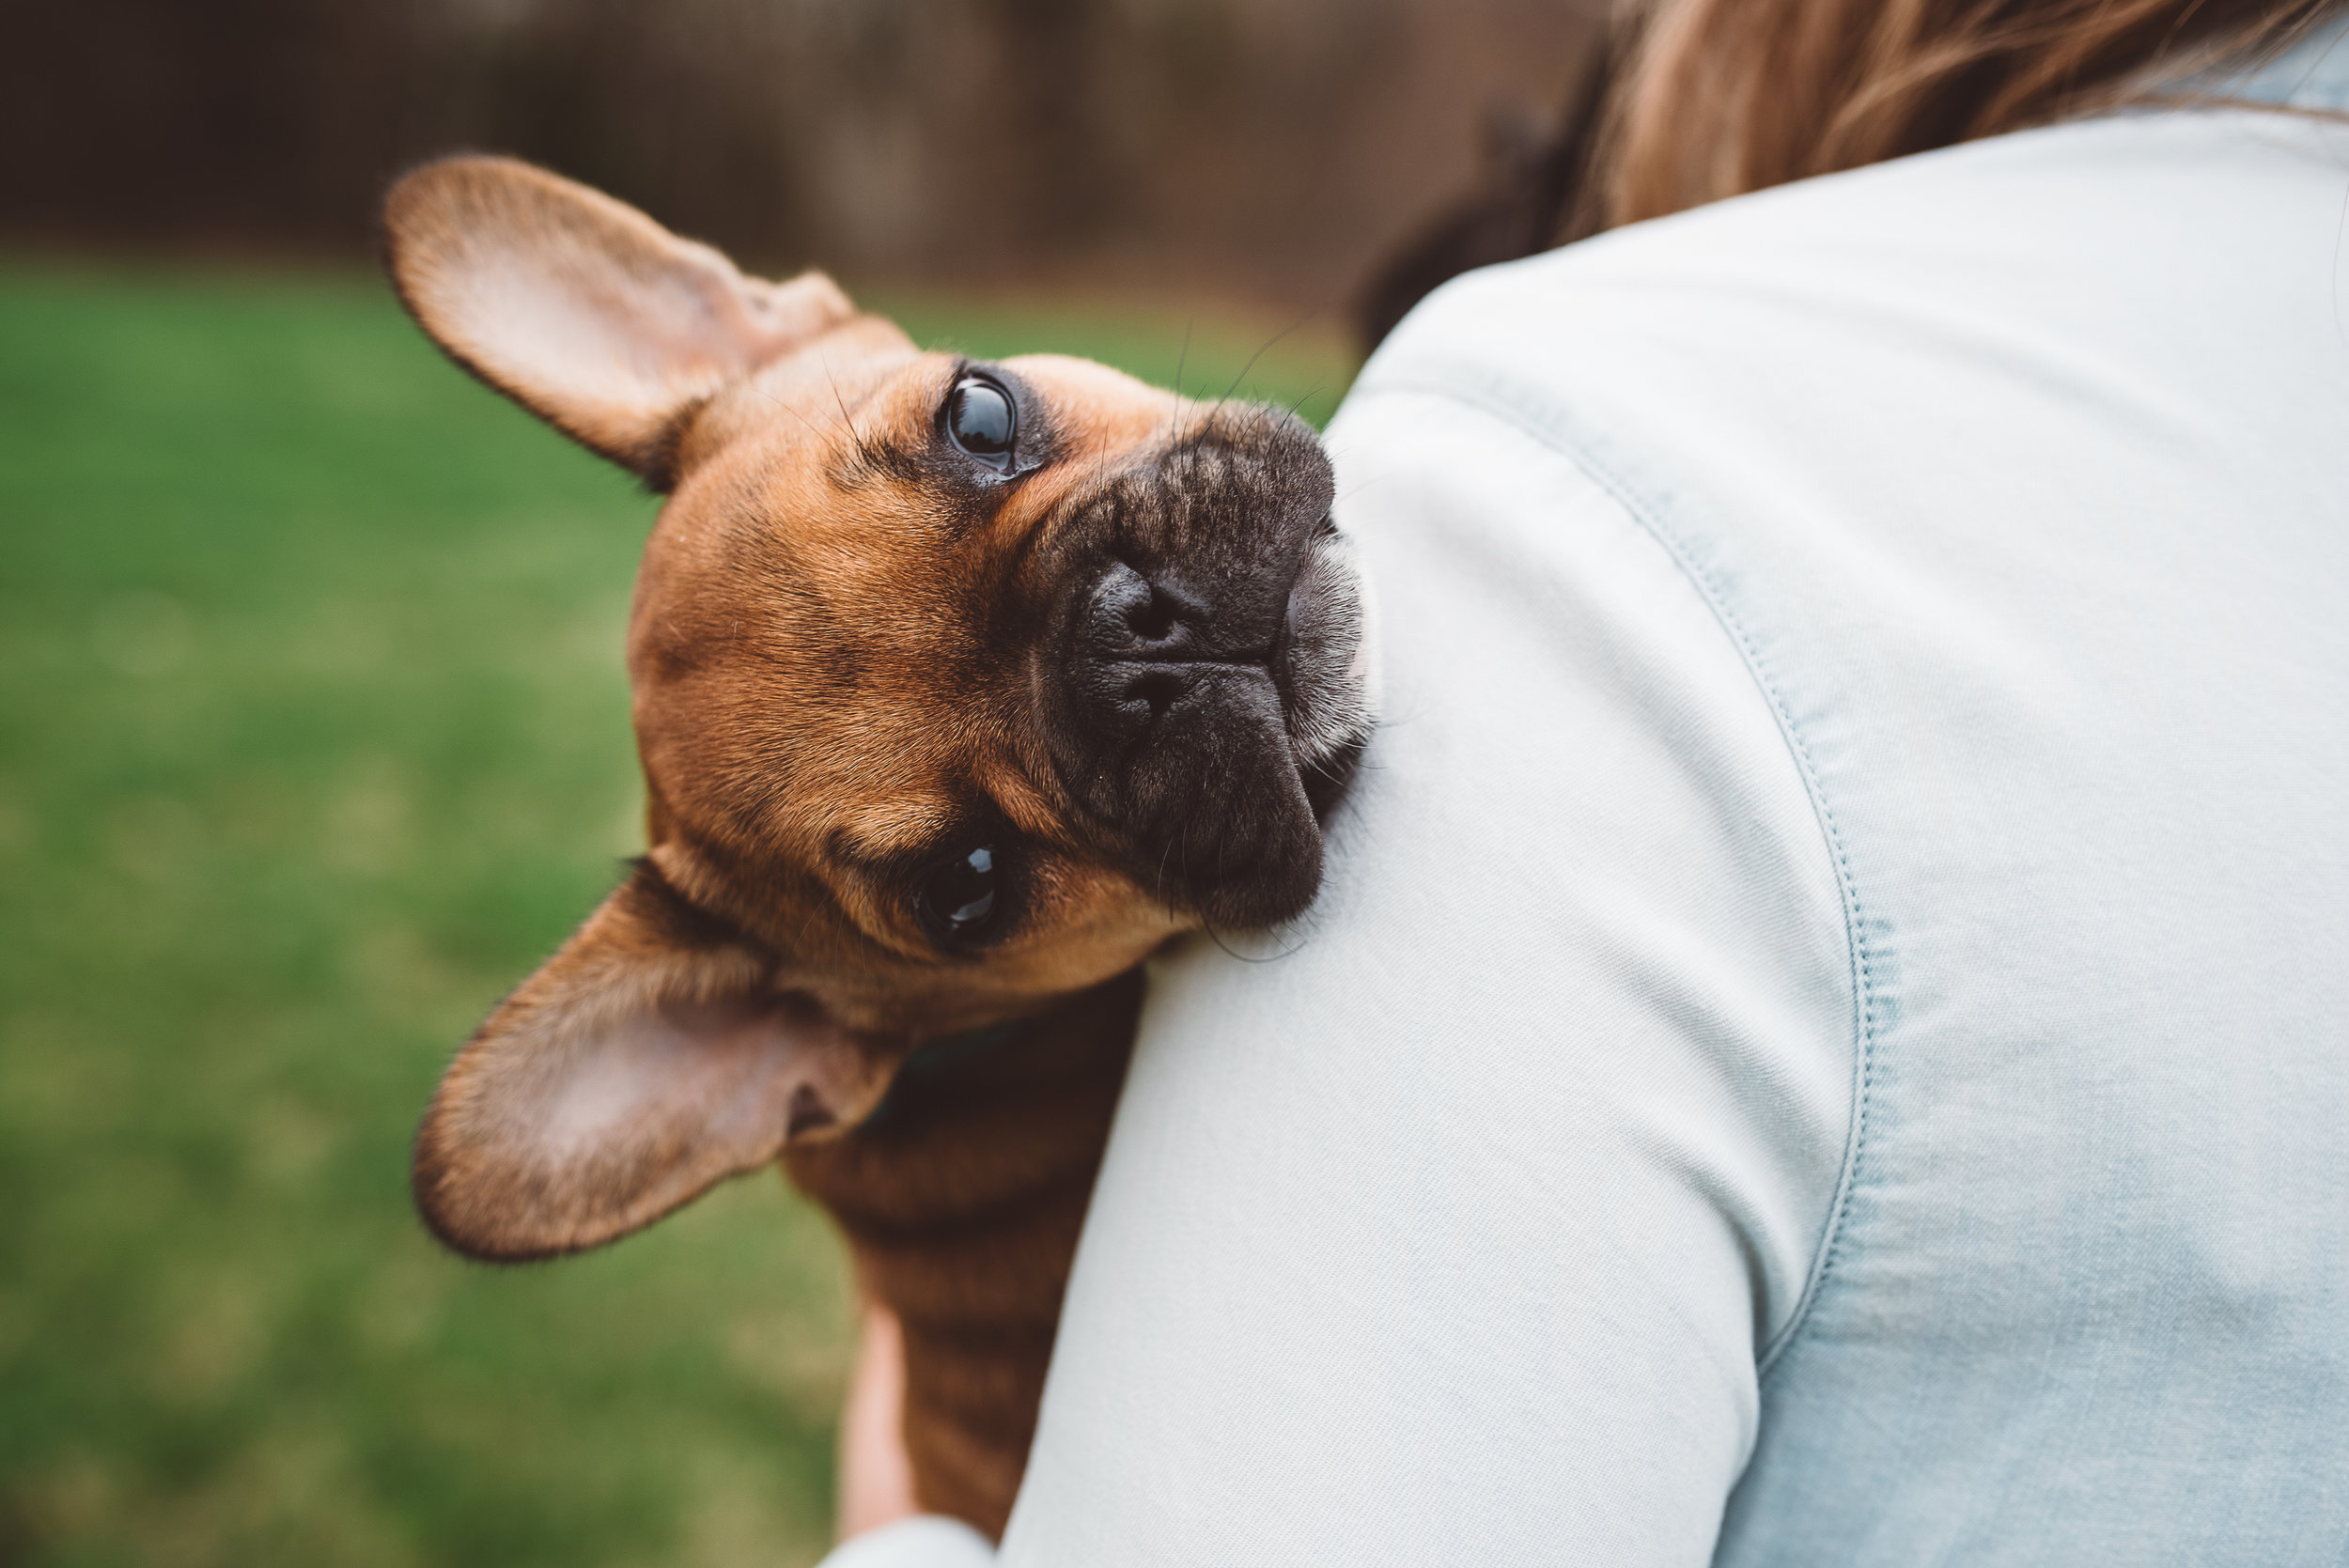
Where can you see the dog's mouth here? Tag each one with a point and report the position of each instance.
(1209, 689)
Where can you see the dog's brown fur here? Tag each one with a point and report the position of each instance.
(962, 1206)
(833, 666)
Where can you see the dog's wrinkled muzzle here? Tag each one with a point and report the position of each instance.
(1205, 685)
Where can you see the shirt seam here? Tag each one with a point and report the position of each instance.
(1861, 961)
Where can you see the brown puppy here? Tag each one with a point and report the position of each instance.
(958, 689)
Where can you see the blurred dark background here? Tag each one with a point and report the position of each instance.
(314, 734)
(1265, 148)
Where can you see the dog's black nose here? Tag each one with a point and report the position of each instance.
(1140, 647)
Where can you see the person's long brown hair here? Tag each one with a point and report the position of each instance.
(1716, 98)
(1686, 101)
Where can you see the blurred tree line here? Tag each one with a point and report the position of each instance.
(1265, 147)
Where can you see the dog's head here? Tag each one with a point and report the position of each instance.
(958, 686)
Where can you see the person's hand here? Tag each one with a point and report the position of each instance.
(876, 1478)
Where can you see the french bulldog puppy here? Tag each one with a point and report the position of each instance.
(958, 690)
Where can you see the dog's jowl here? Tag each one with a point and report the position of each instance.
(958, 689)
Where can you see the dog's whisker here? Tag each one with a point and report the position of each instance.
(864, 450)
(1262, 350)
(813, 428)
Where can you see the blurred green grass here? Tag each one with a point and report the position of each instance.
(313, 740)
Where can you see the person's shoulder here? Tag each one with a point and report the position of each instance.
(2179, 240)
(1981, 219)
(1675, 288)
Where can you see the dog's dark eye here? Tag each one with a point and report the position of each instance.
(957, 897)
(981, 418)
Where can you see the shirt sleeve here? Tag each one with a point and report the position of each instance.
(923, 1541)
(1454, 1224)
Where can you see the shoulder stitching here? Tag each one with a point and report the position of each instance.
(1477, 389)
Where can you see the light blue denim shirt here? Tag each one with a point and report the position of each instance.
(1826, 1039)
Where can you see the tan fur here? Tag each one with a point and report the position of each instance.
(820, 676)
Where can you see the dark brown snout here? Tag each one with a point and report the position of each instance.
(1170, 702)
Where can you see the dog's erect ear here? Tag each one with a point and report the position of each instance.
(583, 309)
(648, 1060)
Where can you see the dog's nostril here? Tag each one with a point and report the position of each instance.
(1159, 688)
(1153, 618)
(1131, 616)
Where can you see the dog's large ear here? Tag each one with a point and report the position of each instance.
(580, 309)
(650, 1058)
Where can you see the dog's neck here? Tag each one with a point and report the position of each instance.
(945, 1057)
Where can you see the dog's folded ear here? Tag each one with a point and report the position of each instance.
(583, 309)
(650, 1058)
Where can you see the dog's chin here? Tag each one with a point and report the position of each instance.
(1325, 666)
